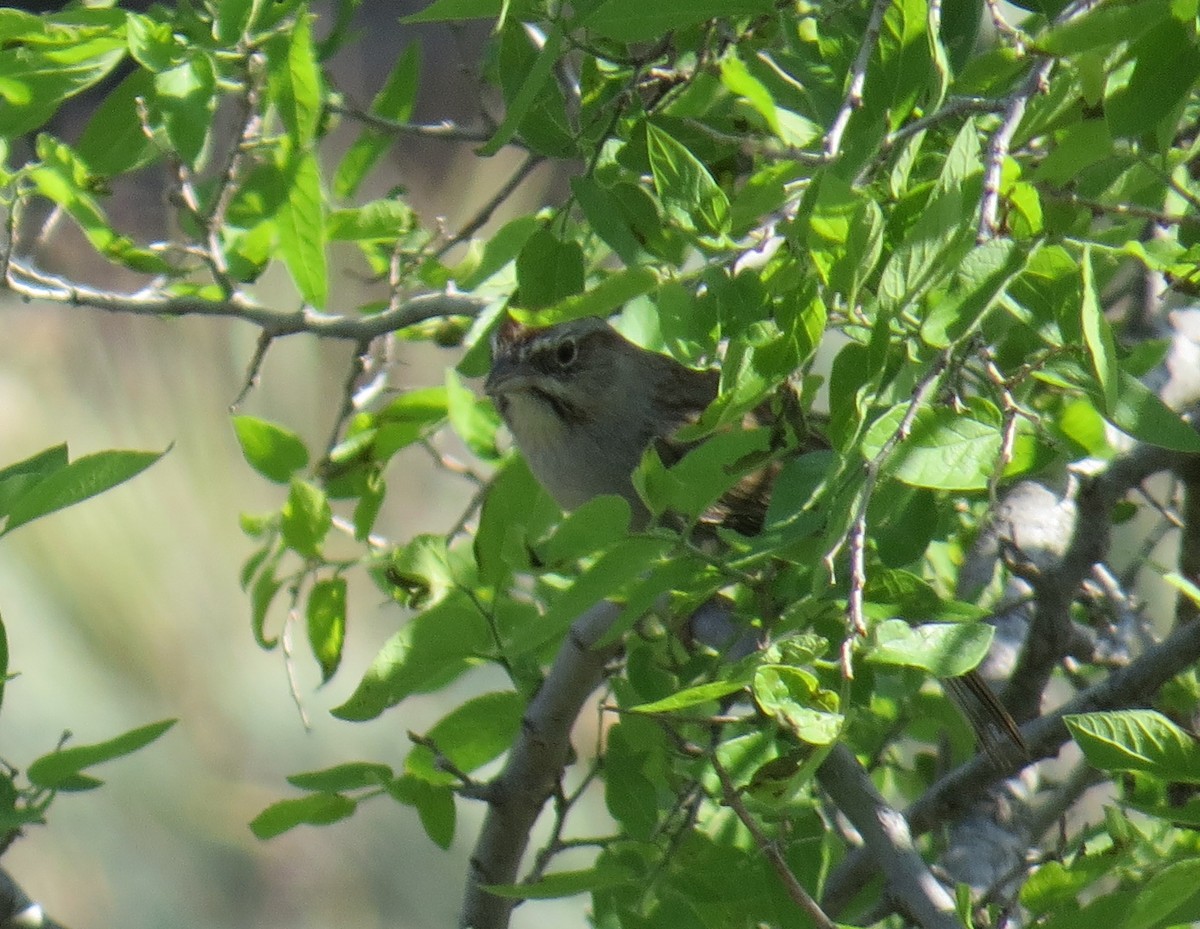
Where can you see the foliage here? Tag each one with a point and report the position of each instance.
(933, 224)
(30, 489)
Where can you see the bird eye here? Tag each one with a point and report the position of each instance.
(566, 352)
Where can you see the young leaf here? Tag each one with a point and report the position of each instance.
(301, 222)
(83, 478)
(327, 623)
(53, 770)
(318, 809)
(435, 806)
(351, 776)
(305, 519)
(395, 102)
(274, 452)
(1097, 336)
(794, 698)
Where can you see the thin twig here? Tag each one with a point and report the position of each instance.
(858, 77)
(1014, 111)
(476, 222)
(445, 129)
(253, 369)
(795, 890)
(27, 282)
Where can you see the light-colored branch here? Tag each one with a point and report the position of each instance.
(31, 284)
(18, 911)
(910, 884)
(955, 793)
(447, 130)
(1014, 111)
(858, 78)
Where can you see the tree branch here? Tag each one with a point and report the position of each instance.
(535, 764)
(887, 840)
(31, 284)
(954, 794)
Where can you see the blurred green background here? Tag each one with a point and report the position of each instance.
(127, 609)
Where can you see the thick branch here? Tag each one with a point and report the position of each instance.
(535, 764)
(887, 840)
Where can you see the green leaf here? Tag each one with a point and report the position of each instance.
(794, 698)
(295, 81)
(16, 479)
(635, 21)
(548, 270)
(274, 452)
(66, 180)
(1103, 27)
(613, 292)
(301, 222)
(738, 79)
(234, 19)
(565, 884)
(1141, 413)
(605, 218)
(305, 519)
(53, 770)
(384, 220)
(469, 737)
(431, 650)
(944, 450)
(113, 141)
(395, 101)
(1137, 740)
(981, 281)
(589, 528)
(1178, 883)
(1098, 338)
(445, 11)
(355, 775)
(73, 483)
(942, 649)
(606, 577)
(152, 43)
(435, 807)
(1166, 65)
(532, 86)
(327, 623)
(185, 96)
(690, 697)
(34, 82)
(318, 809)
(515, 510)
(3, 660)
(262, 593)
(473, 419)
(688, 192)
